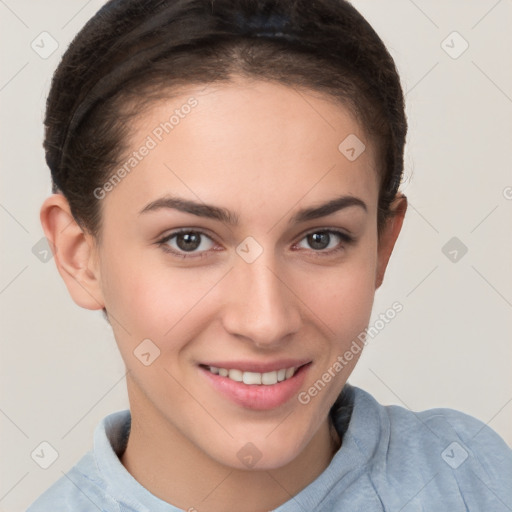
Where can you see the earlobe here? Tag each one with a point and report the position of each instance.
(74, 252)
(389, 236)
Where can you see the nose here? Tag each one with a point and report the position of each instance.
(262, 307)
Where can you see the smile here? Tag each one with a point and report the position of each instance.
(254, 378)
(257, 386)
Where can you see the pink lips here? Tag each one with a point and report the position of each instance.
(251, 366)
(257, 397)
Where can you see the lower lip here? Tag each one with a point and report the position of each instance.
(258, 397)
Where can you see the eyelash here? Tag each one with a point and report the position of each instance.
(345, 238)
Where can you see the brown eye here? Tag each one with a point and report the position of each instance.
(187, 242)
(322, 240)
(319, 240)
(326, 242)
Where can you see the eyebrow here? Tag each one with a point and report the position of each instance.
(231, 218)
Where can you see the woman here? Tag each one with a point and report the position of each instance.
(226, 189)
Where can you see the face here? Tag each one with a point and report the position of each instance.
(216, 251)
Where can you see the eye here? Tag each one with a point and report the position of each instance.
(187, 241)
(328, 241)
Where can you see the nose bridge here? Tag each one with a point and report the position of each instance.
(262, 307)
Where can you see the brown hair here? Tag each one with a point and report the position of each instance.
(134, 52)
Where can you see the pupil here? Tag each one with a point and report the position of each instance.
(188, 241)
(319, 240)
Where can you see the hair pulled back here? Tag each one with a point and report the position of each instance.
(134, 52)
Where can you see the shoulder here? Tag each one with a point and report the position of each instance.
(87, 485)
(441, 457)
(80, 489)
(442, 425)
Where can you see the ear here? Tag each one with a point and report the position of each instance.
(389, 235)
(74, 252)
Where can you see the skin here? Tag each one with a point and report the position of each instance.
(263, 151)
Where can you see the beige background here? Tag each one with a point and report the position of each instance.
(449, 347)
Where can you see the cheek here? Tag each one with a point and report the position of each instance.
(149, 299)
(342, 300)
(342, 296)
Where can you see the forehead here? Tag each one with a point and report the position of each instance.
(247, 141)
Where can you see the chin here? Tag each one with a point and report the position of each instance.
(263, 451)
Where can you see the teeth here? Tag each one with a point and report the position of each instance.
(236, 375)
(252, 378)
(255, 378)
(269, 378)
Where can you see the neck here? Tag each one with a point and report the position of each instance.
(173, 469)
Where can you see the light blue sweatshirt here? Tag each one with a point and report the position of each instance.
(391, 459)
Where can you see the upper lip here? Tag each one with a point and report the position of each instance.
(259, 367)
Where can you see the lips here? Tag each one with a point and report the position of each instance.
(258, 386)
(254, 378)
(255, 366)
